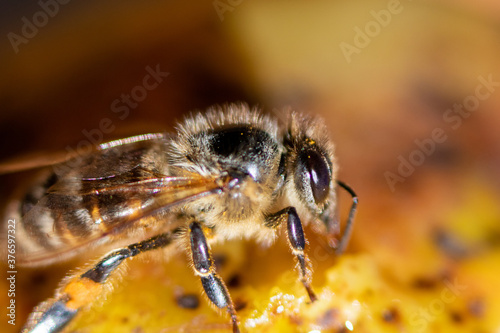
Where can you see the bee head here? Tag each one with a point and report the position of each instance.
(310, 164)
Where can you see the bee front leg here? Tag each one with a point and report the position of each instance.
(204, 266)
(340, 248)
(82, 290)
(297, 243)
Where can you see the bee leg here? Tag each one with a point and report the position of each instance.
(297, 243)
(81, 290)
(350, 219)
(204, 266)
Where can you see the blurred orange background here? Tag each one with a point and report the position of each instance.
(383, 74)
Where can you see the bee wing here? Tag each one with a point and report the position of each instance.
(33, 160)
(42, 159)
(65, 222)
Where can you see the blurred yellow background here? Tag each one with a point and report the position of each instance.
(387, 76)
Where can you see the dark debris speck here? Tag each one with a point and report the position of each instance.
(219, 260)
(38, 279)
(234, 281)
(424, 283)
(476, 308)
(457, 317)
(188, 301)
(329, 318)
(391, 315)
(239, 304)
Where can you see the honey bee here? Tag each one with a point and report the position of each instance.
(231, 172)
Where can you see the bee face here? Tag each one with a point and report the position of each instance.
(230, 172)
(310, 164)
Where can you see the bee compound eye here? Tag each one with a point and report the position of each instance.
(316, 171)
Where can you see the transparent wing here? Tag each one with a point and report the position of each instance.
(113, 193)
(68, 219)
(42, 159)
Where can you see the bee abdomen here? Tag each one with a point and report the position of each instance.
(45, 221)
